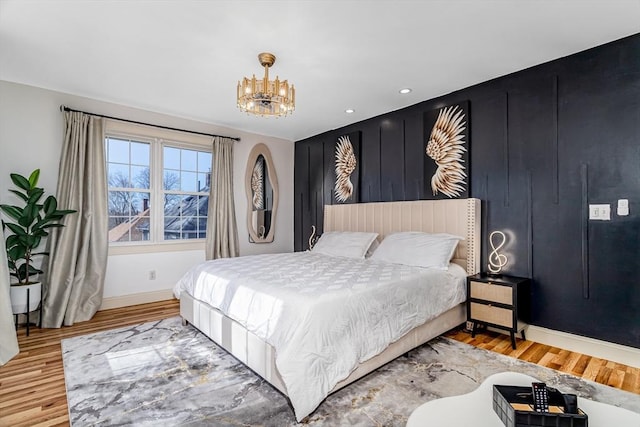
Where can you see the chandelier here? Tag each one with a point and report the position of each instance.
(266, 97)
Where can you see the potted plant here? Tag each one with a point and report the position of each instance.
(24, 235)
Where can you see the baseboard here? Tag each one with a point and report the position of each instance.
(602, 349)
(135, 299)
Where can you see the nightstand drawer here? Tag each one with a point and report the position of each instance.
(490, 292)
(490, 314)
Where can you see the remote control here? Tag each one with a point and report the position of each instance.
(540, 397)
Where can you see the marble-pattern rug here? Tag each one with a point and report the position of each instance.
(165, 374)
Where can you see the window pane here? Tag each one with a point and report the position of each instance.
(119, 203)
(203, 205)
(190, 228)
(172, 205)
(126, 229)
(140, 204)
(118, 176)
(117, 150)
(141, 177)
(172, 228)
(188, 206)
(127, 206)
(171, 179)
(189, 160)
(171, 158)
(140, 154)
(140, 231)
(204, 161)
(202, 227)
(203, 182)
(114, 221)
(189, 181)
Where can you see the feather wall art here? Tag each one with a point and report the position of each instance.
(345, 165)
(257, 184)
(446, 146)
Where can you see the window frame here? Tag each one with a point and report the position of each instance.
(158, 138)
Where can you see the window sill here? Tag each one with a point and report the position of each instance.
(156, 247)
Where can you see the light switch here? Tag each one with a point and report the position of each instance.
(623, 207)
(600, 212)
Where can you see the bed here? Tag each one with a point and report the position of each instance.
(258, 345)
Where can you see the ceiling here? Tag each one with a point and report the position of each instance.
(184, 58)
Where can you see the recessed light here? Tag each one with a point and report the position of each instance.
(349, 110)
(405, 90)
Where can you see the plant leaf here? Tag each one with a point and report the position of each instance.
(21, 272)
(33, 270)
(16, 253)
(50, 205)
(20, 181)
(52, 225)
(33, 178)
(35, 210)
(20, 194)
(32, 241)
(12, 240)
(35, 194)
(39, 232)
(12, 211)
(29, 214)
(17, 230)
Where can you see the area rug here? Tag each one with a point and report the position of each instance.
(165, 374)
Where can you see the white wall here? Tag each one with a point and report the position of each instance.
(31, 132)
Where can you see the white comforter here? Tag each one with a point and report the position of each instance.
(323, 315)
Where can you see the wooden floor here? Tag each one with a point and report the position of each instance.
(601, 371)
(32, 391)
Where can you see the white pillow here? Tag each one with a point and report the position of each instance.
(351, 244)
(418, 249)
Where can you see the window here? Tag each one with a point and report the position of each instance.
(129, 180)
(158, 189)
(186, 181)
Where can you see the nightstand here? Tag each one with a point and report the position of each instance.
(502, 302)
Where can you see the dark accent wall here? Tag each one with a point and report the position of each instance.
(545, 143)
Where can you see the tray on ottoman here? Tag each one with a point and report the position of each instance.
(514, 406)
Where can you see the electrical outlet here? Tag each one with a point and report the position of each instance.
(623, 207)
(600, 212)
(469, 325)
(152, 275)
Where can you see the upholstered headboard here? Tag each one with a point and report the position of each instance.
(455, 216)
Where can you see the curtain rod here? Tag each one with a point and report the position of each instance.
(65, 108)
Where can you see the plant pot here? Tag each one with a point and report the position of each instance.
(19, 297)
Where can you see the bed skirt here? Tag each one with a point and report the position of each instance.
(260, 356)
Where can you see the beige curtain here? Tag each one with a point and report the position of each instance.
(78, 252)
(8, 338)
(222, 231)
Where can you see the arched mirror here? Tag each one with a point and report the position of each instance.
(261, 186)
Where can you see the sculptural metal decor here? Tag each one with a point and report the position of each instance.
(497, 261)
(313, 238)
(257, 183)
(447, 146)
(346, 168)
